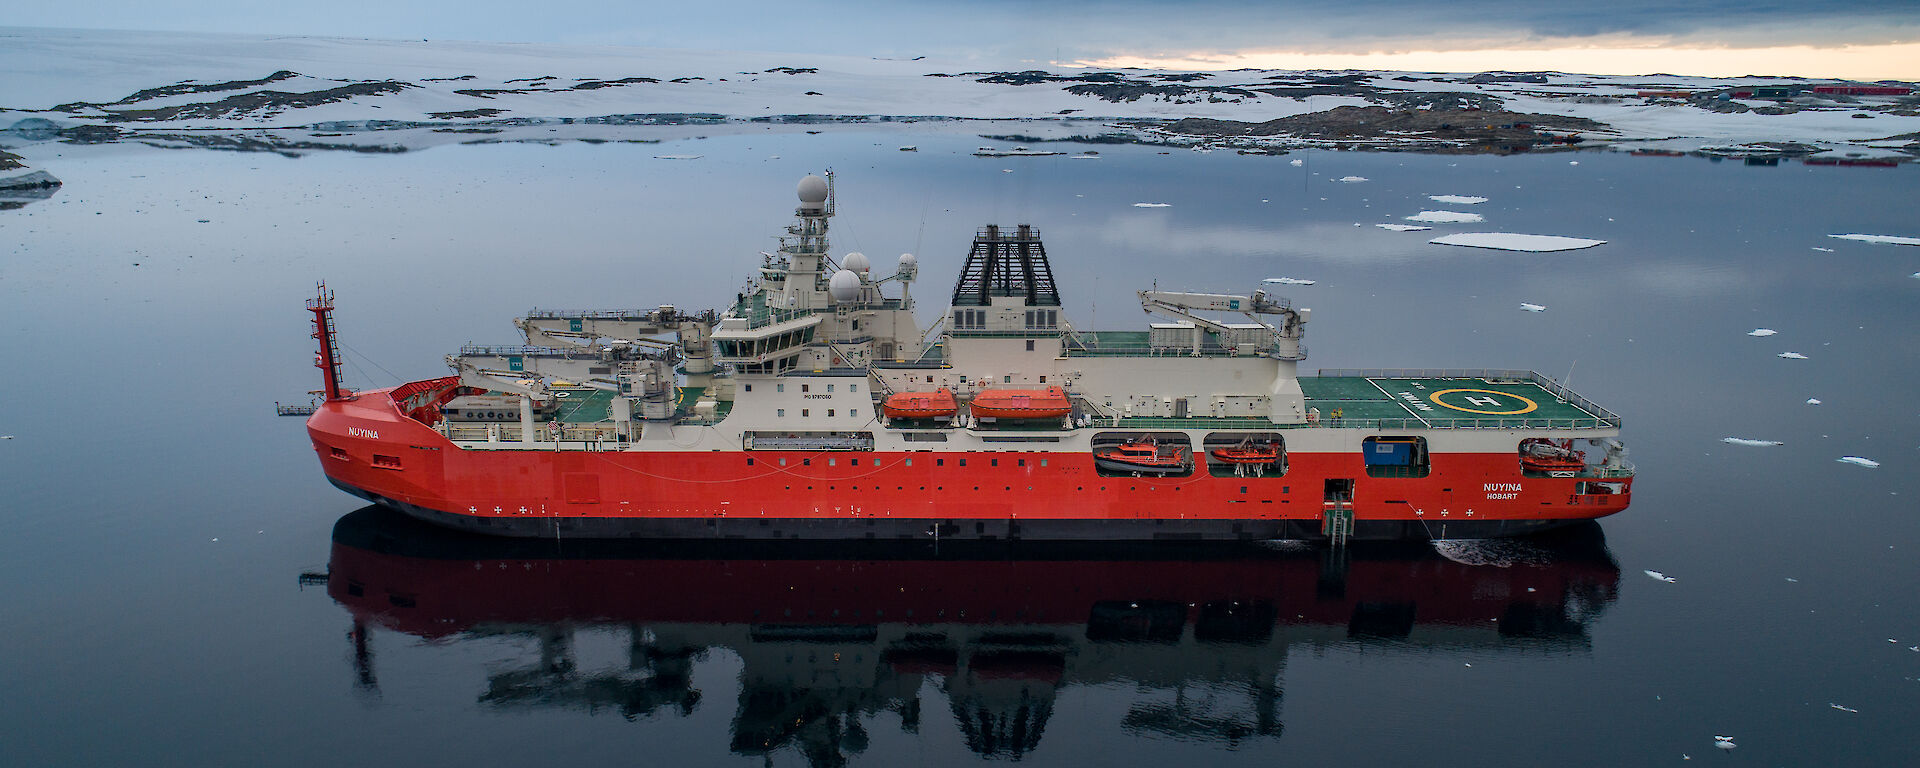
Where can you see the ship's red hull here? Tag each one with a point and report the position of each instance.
(369, 448)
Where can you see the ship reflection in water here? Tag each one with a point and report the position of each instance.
(832, 635)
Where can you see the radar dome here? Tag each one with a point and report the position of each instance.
(857, 262)
(907, 260)
(844, 287)
(813, 191)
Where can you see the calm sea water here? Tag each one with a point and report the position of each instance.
(160, 517)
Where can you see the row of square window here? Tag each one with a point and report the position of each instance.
(805, 412)
(804, 387)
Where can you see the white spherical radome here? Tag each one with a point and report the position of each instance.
(907, 260)
(844, 286)
(813, 190)
(857, 262)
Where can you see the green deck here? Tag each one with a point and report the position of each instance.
(594, 406)
(1448, 402)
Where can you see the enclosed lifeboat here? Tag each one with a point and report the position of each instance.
(1143, 457)
(920, 405)
(1049, 403)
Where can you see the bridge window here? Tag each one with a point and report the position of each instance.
(780, 412)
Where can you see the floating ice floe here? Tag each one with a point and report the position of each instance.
(1153, 205)
(1762, 332)
(1792, 356)
(1457, 199)
(1880, 239)
(678, 157)
(1351, 179)
(1858, 461)
(1843, 709)
(1915, 275)
(1533, 307)
(1509, 241)
(1296, 162)
(1084, 157)
(1414, 228)
(1823, 250)
(1813, 401)
(1658, 576)
(1754, 443)
(1445, 216)
(1724, 742)
(1287, 281)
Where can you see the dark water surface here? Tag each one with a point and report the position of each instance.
(159, 516)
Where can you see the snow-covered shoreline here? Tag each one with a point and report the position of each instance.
(176, 82)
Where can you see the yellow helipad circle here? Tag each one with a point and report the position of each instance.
(1531, 405)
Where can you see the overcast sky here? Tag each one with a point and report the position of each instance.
(1867, 38)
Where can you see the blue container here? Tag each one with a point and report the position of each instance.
(1391, 454)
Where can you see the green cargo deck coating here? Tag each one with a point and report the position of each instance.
(1505, 402)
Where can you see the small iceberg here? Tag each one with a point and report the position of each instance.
(1533, 307)
(1792, 356)
(1762, 332)
(1843, 709)
(1823, 250)
(1153, 205)
(678, 157)
(1508, 241)
(1446, 217)
(1658, 576)
(1457, 199)
(1880, 239)
(1753, 443)
(1813, 401)
(1858, 461)
(1296, 163)
(1287, 281)
(1724, 742)
(1403, 227)
(1351, 179)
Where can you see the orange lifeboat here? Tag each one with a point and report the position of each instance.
(920, 405)
(1049, 403)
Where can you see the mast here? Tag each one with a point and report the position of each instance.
(328, 358)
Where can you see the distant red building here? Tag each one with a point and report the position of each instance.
(1863, 90)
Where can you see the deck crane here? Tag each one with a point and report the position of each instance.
(1283, 340)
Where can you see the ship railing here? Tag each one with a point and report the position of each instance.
(518, 350)
(1555, 388)
(1397, 424)
(1180, 351)
(586, 435)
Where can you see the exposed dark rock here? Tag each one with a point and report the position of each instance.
(1486, 129)
(466, 114)
(792, 70)
(596, 84)
(184, 88)
(258, 101)
(91, 134)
